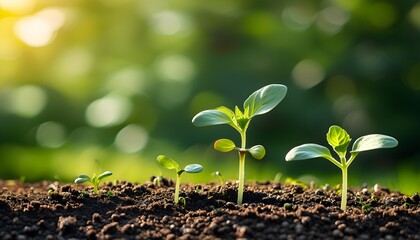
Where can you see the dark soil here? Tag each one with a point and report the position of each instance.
(144, 211)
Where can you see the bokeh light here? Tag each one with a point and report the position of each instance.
(108, 111)
(131, 139)
(27, 101)
(51, 134)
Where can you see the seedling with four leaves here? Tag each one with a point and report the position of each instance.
(169, 163)
(95, 180)
(258, 103)
(339, 140)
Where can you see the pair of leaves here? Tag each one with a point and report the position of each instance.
(169, 163)
(227, 145)
(85, 178)
(338, 138)
(259, 102)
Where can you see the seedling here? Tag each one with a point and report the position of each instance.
(339, 140)
(219, 176)
(95, 180)
(169, 163)
(258, 103)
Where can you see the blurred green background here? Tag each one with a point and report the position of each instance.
(87, 86)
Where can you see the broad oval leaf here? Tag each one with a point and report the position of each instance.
(308, 151)
(211, 117)
(265, 99)
(224, 145)
(167, 163)
(81, 180)
(104, 175)
(257, 152)
(83, 176)
(193, 168)
(339, 139)
(373, 141)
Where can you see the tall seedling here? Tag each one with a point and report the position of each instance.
(339, 140)
(258, 103)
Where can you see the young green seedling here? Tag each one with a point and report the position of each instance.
(95, 180)
(219, 176)
(339, 140)
(169, 163)
(258, 103)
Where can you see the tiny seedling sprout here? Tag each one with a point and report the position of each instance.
(258, 103)
(95, 180)
(339, 140)
(169, 163)
(219, 176)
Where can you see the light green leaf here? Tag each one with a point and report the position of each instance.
(211, 117)
(339, 139)
(308, 151)
(81, 180)
(257, 152)
(226, 110)
(193, 168)
(373, 141)
(224, 145)
(265, 99)
(104, 175)
(168, 163)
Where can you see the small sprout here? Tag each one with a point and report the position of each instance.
(219, 175)
(182, 201)
(367, 208)
(50, 191)
(169, 163)
(258, 103)
(277, 178)
(110, 193)
(95, 180)
(339, 140)
(288, 206)
(157, 181)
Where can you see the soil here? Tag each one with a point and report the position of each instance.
(52, 210)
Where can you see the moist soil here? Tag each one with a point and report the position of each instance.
(125, 210)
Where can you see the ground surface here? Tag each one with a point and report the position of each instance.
(144, 211)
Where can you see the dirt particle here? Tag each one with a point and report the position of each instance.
(67, 224)
(110, 228)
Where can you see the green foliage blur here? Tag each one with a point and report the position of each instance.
(87, 86)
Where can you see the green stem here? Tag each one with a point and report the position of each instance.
(344, 185)
(178, 182)
(95, 188)
(242, 155)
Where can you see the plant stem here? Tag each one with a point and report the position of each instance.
(344, 189)
(95, 188)
(178, 182)
(242, 155)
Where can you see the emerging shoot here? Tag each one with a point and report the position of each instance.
(169, 163)
(258, 103)
(95, 180)
(339, 140)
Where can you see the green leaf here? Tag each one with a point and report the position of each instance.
(265, 99)
(211, 117)
(83, 176)
(104, 175)
(168, 163)
(257, 152)
(373, 141)
(224, 145)
(81, 180)
(225, 110)
(193, 168)
(308, 151)
(339, 139)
